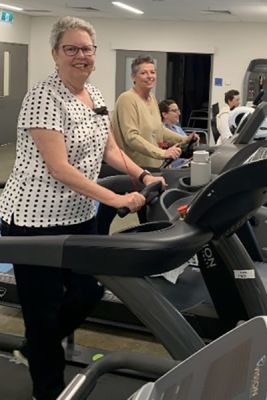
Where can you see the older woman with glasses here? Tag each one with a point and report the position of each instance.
(136, 120)
(63, 135)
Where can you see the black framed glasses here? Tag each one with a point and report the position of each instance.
(71, 50)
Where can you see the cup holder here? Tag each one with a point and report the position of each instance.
(185, 183)
(148, 227)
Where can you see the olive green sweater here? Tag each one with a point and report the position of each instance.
(138, 129)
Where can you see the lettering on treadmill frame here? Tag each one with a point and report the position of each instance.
(208, 257)
(256, 378)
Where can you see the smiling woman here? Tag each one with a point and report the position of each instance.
(74, 56)
(62, 138)
(137, 122)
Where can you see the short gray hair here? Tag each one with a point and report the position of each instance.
(66, 23)
(142, 59)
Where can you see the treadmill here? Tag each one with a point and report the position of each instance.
(232, 367)
(154, 247)
(199, 307)
(134, 255)
(249, 136)
(199, 293)
(235, 151)
(207, 308)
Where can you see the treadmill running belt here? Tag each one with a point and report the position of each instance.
(15, 382)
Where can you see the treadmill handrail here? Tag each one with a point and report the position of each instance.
(131, 254)
(144, 253)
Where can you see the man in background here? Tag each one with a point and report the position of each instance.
(232, 100)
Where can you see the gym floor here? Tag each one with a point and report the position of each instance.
(101, 337)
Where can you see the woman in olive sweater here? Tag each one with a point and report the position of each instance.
(136, 120)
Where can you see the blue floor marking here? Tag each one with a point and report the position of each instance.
(5, 267)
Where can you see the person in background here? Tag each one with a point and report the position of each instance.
(136, 120)
(232, 100)
(63, 134)
(170, 115)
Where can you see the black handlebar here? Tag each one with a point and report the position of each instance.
(187, 152)
(166, 162)
(149, 192)
(258, 98)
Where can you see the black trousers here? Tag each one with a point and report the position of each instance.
(54, 303)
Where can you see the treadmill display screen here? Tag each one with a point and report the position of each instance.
(259, 154)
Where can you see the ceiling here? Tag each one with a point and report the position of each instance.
(166, 10)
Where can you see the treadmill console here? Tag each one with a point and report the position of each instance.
(233, 367)
(259, 154)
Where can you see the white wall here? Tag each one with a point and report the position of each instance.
(233, 46)
(17, 32)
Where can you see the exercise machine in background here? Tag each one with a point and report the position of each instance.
(255, 80)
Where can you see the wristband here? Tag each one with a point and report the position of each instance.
(143, 174)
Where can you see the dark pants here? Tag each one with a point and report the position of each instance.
(54, 303)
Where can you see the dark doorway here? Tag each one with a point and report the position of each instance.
(188, 83)
(13, 86)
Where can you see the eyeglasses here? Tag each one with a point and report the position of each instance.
(71, 50)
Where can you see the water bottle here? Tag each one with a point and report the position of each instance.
(200, 173)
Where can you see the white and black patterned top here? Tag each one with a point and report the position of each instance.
(32, 195)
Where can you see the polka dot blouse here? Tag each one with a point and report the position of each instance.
(32, 195)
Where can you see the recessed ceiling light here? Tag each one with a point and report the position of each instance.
(126, 7)
(6, 6)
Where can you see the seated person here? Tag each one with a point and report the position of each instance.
(232, 100)
(170, 115)
(136, 120)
